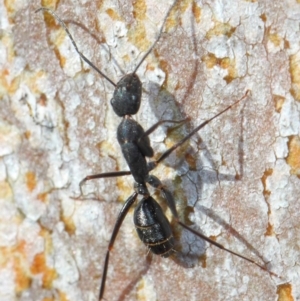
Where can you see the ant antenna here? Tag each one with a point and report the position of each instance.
(64, 26)
(157, 39)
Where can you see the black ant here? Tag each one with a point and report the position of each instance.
(151, 224)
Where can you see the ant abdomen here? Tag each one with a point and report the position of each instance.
(153, 227)
(127, 95)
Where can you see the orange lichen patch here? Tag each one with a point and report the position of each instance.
(28, 78)
(286, 44)
(27, 134)
(39, 267)
(32, 80)
(263, 17)
(266, 193)
(48, 299)
(45, 233)
(211, 61)
(213, 237)
(42, 197)
(232, 73)
(266, 174)
(4, 84)
(113, 15)
(10, 6)
(17, 256)
(181, 202)
(163, 64)
(21, 247)
(188, 210)
(13, 85)
(269, 230)
(293, 159)
(5, 191)
(139, 9)
(220, 29)
(42, 100)
(62, 296)
(202, 260)
(125, 189)
(58, 36)
(50, 3)
(105, 148)
(62, 60)
(140, 291)
(191, 160)
(275, 39)
(126, 58)
(278, 101)
(22, 277)
(69, 224)
(4, 253)
(30, 181)
(179, 8)
(174, 136)
(150, 67)
(7, 41)
(137, 36)
(48, 18)
(196, 12)
(295, 75)
(284, 292)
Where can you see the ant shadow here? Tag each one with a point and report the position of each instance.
(169, 108)
(201, 177)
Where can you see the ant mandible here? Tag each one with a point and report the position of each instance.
(151, 224)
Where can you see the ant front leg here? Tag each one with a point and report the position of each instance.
(103, 175)
(156, 183)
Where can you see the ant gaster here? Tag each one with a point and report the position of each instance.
(151, 224)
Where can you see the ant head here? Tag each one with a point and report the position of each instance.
(127, 95)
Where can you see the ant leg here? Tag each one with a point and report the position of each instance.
(116, 229)
(156, 183)
(153, 164)
(64, 26)
(103, 175)
(157, 124)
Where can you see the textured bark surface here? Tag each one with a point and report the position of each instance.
(236, 181)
